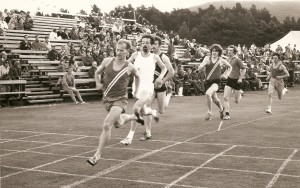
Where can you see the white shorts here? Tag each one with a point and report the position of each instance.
(149, 87)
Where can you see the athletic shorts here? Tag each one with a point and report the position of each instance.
(162, 89)
(120, 103)
(233, 83)
(209, 83)
(278, 84)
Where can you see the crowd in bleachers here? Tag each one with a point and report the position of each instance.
(15, 20)
(93, 40)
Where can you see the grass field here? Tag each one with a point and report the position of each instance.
(47, 146)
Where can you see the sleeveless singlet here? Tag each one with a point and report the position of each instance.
(115, 82)
(158, 69)
(216, 74)
(276, 71)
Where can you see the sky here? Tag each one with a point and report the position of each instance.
(74, 6)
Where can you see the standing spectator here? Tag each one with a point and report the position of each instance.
(69, 85)
(25, 44)
(291, 69)
(15, 73)
(88, 59)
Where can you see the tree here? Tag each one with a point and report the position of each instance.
(64, 10)
(95, 9)
(83, 12)
(184, 30)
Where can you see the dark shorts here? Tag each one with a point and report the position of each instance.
(209, 83)
(162, 89)
(122, 103)
(233, 83)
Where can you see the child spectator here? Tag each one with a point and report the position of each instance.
(69, 85)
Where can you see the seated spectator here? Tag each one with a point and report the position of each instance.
(8, 17)
(63, 52)
(65, 35)
(28, 23)
(251, 77)
(3, 58)
(92, 70)
(98, 58)
(116, 29)
(187, 54)
(59, 32)
(53, 35)
(69, 85)
(38, 45)
(176, 40)
(3, 26)
(87, 59)
(72, 50)
(25, 44)
(74, 34)
(196, 83)
(53, 54)
(81, 51)
(48, 43)
(63, 64)
(80, 32)
(85, 41)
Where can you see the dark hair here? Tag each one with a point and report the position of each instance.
(156, 38)
(234, 48)
(148, 37)
(276, 54)
(216, 47)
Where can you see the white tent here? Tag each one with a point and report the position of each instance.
(293, 37)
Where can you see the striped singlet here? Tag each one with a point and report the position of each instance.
(216, 74)
(276, 71)
(115, 82)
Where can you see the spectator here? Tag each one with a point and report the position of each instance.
(80, 32)
(38, 45)
(3, 58)
(53, 54)
(25, 44)
(88, 59)
(116, 29)
(72, 50)
(53, 35)
(291, 67)
(187, 54)
(195, 82)
(8, 17)
(47, 43)
(28, 23)
(15, 73)
(4, 70)
(81, 51)
(65, 35)
(4, 75)
(59, 32)
(3, 25)
(69, 85)
(63, 64)
(176, 40)
(63, 52)
(92, 70)
(74, 34)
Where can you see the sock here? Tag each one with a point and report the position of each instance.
(227, 113)
(130, 135)
(148, 132)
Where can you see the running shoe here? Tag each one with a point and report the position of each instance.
(208, 117)
(268, 111)
(126, 141)
(93, 161)
(285, 91)
(227, 117)
(145, 137)
(155, 116)
(139, 120)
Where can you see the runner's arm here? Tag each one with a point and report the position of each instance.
(169, 67)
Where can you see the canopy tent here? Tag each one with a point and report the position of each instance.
(292, 38)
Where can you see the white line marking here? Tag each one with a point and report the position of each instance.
(274, 179)
(202, 165)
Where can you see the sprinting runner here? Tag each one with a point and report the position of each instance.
(115, 96)
(145, 62)
(277, 73)
(213, 64)
(163, 98)
(234, 79)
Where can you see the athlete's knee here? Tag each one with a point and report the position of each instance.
(226, 98)
(107, 125)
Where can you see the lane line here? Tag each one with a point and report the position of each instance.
(279, 171)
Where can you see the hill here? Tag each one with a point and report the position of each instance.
(281, 9)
